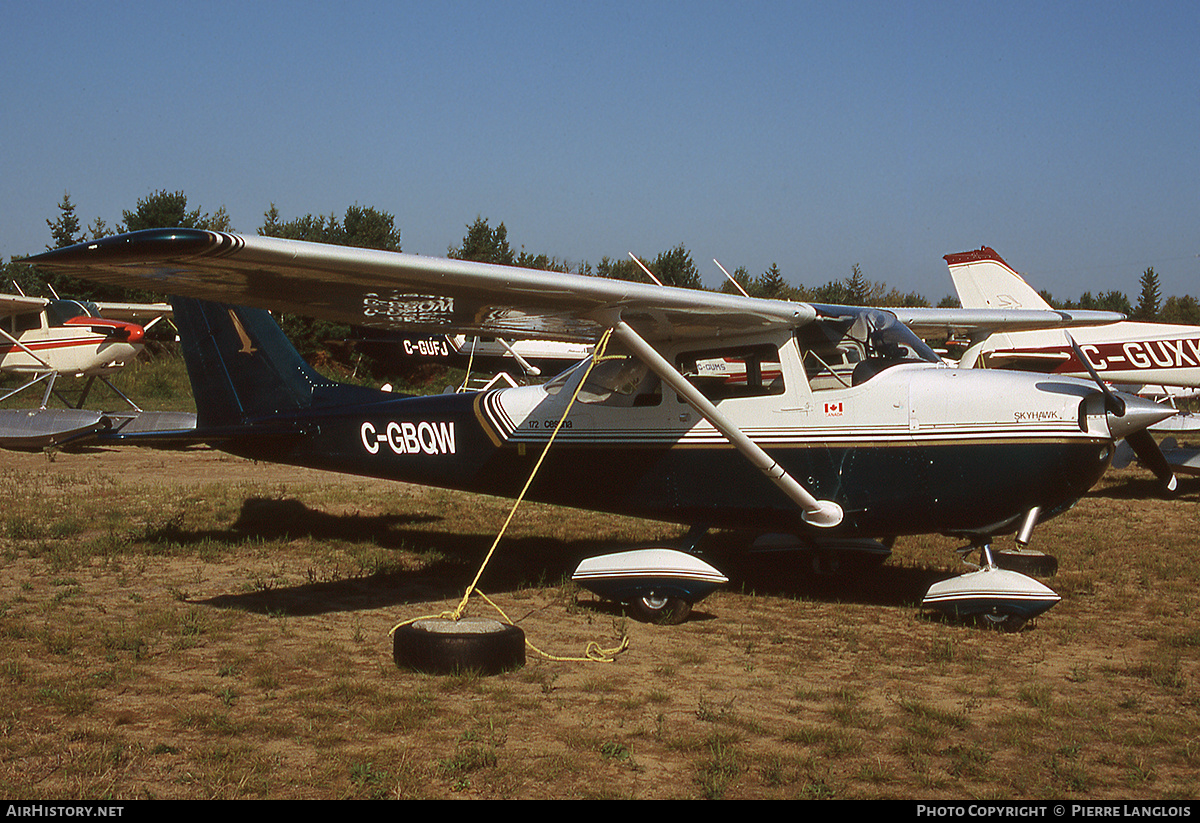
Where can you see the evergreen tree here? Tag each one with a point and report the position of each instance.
(771, 283)
(622, 269)
(1182, 310)
(484, 244)
(364, 228)
(1148, 301)
(858, 287)
(741, 276)
(65, 231)
(163, 210)
(1115, 301)
(675, 268)
(671, 268)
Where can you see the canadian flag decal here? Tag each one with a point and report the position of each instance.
(833, 409)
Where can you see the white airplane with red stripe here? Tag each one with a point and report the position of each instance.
(72, 337)
(1131, 353)
(43, 339)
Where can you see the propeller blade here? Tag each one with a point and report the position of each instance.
(1112, 403)
(1151, 456)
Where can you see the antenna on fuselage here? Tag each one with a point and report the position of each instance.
(649, 273)
(736, 284)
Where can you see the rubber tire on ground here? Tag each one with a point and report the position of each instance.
(665, 611)
(1009, 623)
(438, 649)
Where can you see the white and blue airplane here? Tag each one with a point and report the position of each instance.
(838, 427)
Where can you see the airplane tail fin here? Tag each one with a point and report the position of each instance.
(243, 369)
(984, 281)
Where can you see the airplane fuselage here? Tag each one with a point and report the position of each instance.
(918, 448)
(73, 350)
(1128, 352)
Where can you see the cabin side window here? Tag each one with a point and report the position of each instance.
(25, 322)
(741, 371)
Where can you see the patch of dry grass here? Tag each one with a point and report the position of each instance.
(189, 625)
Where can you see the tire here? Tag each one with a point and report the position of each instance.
(485, 647)
(660, 609)
(1009, 623)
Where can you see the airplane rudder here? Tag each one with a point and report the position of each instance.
(240, 363)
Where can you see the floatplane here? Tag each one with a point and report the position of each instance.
(43, 340)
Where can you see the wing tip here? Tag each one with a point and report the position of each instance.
(138, 245)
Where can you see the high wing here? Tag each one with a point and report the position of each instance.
(134, 312)
(977, 323)
(388, 290)
(14, 304)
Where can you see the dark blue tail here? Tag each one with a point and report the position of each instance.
(244, 370)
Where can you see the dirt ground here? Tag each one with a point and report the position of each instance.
(192, 625)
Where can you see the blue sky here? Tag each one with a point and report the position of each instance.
(811, 135)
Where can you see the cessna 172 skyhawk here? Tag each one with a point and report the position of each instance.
(846, 427)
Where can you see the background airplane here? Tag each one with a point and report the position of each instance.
(522, 359)
(43, 339)
(40, 336)
(1157, 360)
(1130, 353)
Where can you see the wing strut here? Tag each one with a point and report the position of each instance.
(822, 513)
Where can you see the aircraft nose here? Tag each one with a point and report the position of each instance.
(1139, 414)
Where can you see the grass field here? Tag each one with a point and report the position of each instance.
(191, 625)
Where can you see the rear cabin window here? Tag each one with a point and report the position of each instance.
(614, 381)
(744, 371)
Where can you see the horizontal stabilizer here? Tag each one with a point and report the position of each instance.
(43, 428)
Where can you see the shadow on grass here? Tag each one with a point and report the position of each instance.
(448, 561)
(1148, 488)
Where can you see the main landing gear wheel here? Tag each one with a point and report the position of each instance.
(458, 646)
(1003, 622)
(660, 609)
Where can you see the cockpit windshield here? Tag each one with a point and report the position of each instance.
(846, 349)
(58, 312)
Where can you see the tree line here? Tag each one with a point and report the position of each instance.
(368, 227)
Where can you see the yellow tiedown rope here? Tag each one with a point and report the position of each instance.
(593, 652)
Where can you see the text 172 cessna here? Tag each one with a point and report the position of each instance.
(842, 428)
